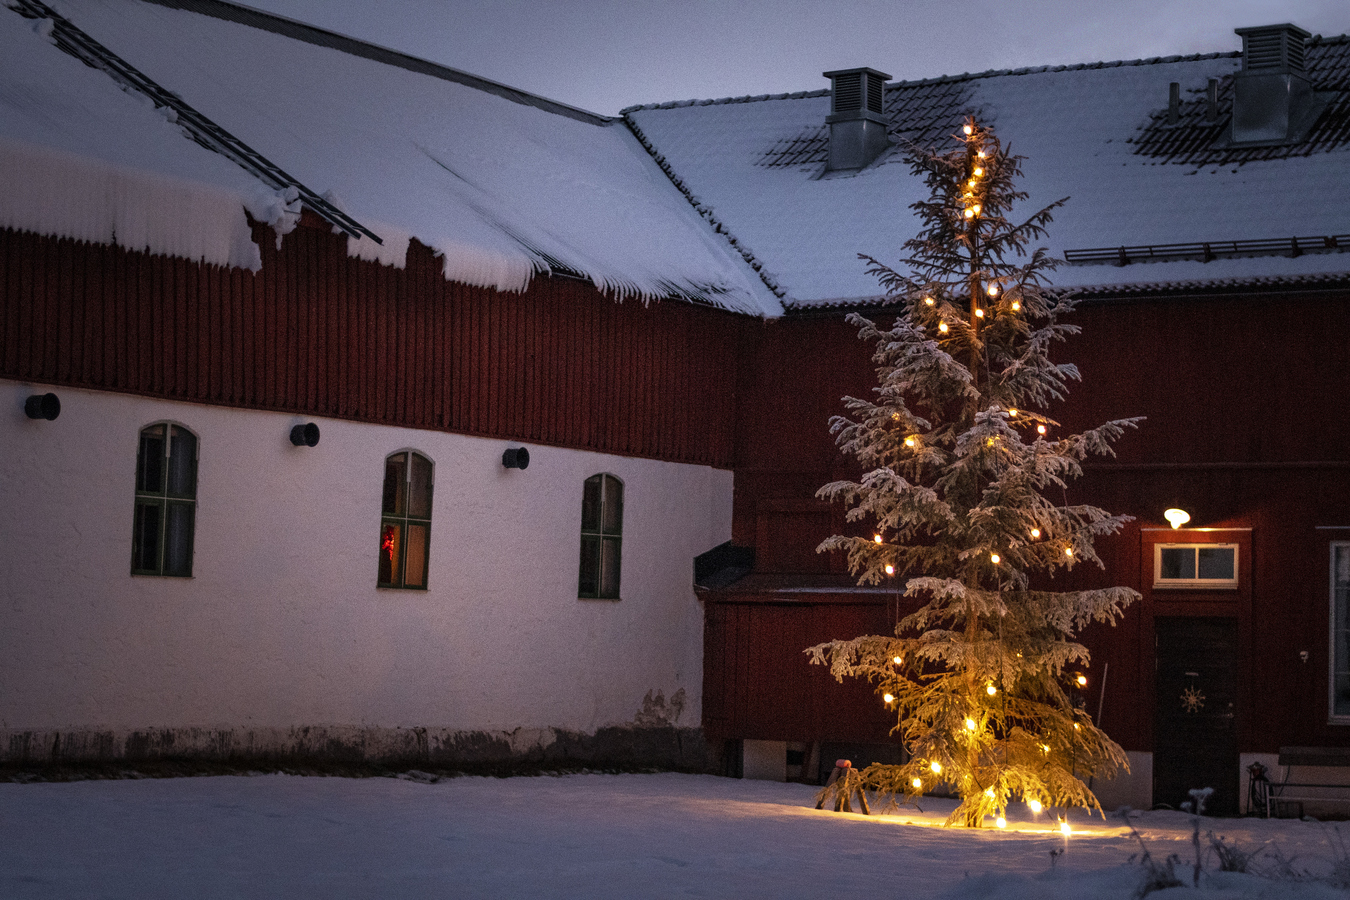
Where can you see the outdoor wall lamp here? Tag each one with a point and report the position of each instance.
(42, 406)
(516, 458)
(1177, 517)
(306, 435)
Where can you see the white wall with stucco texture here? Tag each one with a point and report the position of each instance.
(281, 624)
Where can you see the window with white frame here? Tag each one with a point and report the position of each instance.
(601, 537)
(166, 501)
(1194, 566)
(1340, 630)
(405, 521)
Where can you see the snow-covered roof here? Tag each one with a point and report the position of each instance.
(1094, 133)
(500, 184)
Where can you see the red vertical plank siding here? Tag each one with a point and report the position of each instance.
(546, 369)
(234, 289)
(117, 325)
(71, 285)
(213, 333)
(437, 313)
(516, 370)
(32, 318)
(319, 333)
(366, 388)
(91, 317)
(181, 297)
(413, 352)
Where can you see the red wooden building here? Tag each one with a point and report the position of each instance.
(440, 269)
(1193, 315)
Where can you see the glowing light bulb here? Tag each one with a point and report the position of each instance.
(909, 441)
(994, 558)
(978, 171)
(981, 154)
(1177, 517)
(1016, 306)
(992, 290)
(971, 183)
(929, 301)
(942, 327)
(1034, 805)
(917, 782)
(890, 569)
(1077, 727)
(1045, 748)
(989, 792)
(1040, 429)
(877, 538)
(889, 698)
(970, 213)
(1001, 822)
(990, 690)
(1082, 680)
(968, 129)
(1012, 412)
(970, 725)
(979, 314)
(976, 208)
(897, 659)
(1035, 533)
(936, 767)
(1068, 551)
(1064, 827)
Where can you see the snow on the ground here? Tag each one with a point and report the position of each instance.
(583, 836)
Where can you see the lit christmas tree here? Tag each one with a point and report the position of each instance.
(965, 484)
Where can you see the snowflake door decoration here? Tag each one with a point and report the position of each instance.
(1193, 699)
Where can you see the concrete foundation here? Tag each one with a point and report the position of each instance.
(681, 749)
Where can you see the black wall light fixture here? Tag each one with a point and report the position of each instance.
(42, 406)
(306, 435)
(516, 458)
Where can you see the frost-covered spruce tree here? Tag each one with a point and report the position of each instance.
(965, 486)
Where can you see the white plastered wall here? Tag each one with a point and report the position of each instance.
(1133, 788)
(282, 625)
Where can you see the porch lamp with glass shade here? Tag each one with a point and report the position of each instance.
(1176, 517)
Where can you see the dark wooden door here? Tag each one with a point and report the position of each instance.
(1194, 720)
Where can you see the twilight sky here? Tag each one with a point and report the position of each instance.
(603, 55)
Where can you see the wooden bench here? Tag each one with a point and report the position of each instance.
(1287, 793)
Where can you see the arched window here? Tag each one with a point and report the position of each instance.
(601, 537)
(405, 520)
(166, 501)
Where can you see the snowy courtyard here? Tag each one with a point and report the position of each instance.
(589, 836)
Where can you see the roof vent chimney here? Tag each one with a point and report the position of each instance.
(1273, 100)
(857, 124)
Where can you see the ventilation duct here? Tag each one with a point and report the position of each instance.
(1273, 100)
(857, 123)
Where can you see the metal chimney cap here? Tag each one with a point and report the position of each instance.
(870, 71)
(1286, 26)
